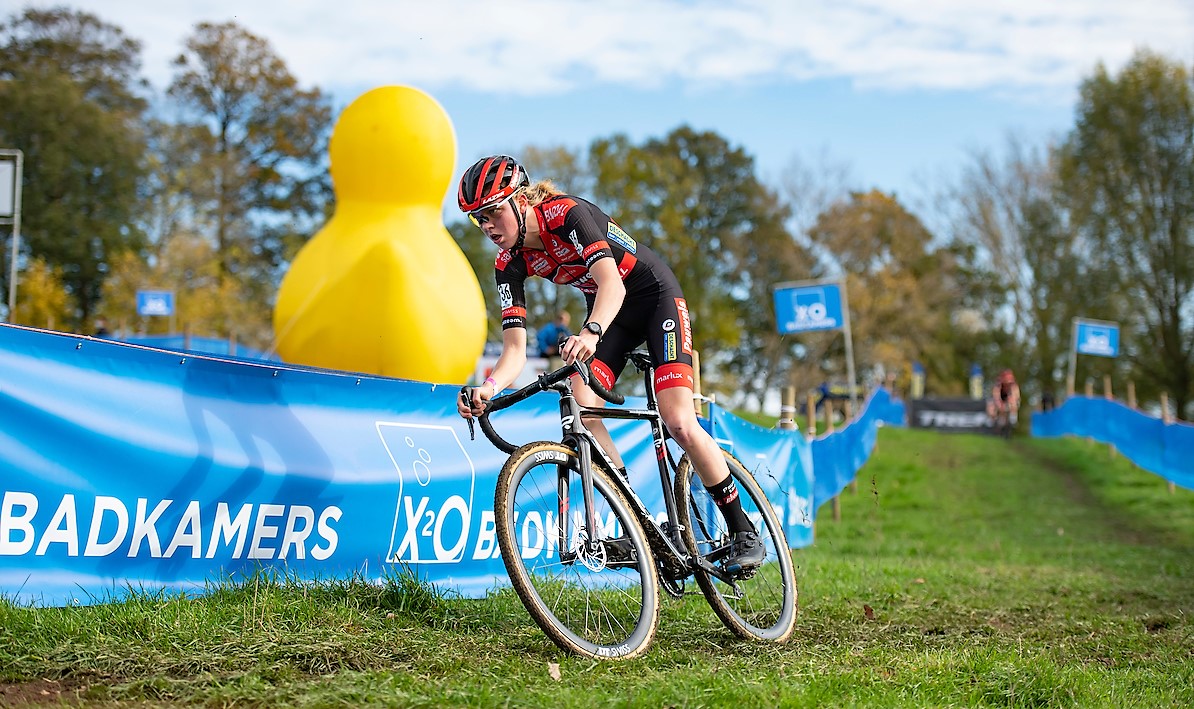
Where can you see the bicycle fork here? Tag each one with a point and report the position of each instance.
(569, 422)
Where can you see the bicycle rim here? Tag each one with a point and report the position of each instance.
(764, 606)
(598, 601)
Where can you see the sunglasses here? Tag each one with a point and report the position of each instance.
(482, 216)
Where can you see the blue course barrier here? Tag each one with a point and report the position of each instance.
(130, 467)
(1164, 449)
(781, 462)
(197, 345)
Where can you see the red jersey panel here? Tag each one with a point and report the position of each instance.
(576, 234)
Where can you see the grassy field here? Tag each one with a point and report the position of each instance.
(965, 571)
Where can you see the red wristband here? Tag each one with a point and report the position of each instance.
(491, 382)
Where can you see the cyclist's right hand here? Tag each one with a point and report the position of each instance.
(472, 400)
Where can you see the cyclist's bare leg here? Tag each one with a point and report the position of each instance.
(585, 396)
(746, 550)
(675, 405)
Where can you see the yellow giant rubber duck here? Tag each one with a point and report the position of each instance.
(383, 288)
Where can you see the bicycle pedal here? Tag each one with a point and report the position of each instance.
(745, 574)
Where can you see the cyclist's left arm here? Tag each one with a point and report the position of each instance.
(611, 292)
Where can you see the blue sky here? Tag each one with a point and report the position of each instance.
(900, 92)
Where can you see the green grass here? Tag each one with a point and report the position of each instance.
(965, 571)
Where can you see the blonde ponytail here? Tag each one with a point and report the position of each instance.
(541, 191)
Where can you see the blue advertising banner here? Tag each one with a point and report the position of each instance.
(837, 457)
(805, 308)
(155, 302)
(130, 467)
(1160, 448)
(196, 344)
(1095, 337)
(781, 462)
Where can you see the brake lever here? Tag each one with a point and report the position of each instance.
(468, 402)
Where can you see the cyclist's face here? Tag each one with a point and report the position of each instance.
(498, 222)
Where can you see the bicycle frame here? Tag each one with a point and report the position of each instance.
(564, 595)
(666, 542)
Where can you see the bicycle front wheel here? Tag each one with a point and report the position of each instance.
(594, 592)
(761, 604)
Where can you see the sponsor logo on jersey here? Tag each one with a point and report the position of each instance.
(514, 316)
(569, 275)
(669, 346)
(627, 265)
(673, 375)
(604, 374)
(685, 327)
(561, 250)
(594, 248)
(615, 234)
(575, 241)
(669, 325)
(503, 260)
(540, 265)
(555, 212)
(505, 297)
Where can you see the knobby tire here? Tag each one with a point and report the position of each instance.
(764, 606)
(597, 605)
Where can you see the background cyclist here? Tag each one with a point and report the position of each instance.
(632, 297)
(1006, 396)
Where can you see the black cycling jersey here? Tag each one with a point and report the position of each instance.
(1005, 390)
(576, 234)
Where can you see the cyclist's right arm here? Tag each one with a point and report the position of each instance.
(505, 372)
(510, 272)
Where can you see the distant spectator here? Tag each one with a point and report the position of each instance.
(549, 339)
(101, 328)
(1047, 401)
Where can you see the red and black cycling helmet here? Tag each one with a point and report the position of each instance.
(490, 181)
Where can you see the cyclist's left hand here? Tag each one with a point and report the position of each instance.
(579, 347)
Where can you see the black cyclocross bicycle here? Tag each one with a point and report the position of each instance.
(586, 556)
(1003, 419)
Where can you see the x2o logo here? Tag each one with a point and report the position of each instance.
(433, 514)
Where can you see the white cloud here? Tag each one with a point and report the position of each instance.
(541, 46)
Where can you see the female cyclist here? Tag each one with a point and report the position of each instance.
(632, 298)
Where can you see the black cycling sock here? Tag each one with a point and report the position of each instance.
(725, 496)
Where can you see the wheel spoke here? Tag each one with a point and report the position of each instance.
(761, 605)
(585, 604)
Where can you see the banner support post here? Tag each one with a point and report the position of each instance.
(19, 161)
(849, 346)
(1069, 380)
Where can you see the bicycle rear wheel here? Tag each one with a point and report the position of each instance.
(760, 605)
(593, 592)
